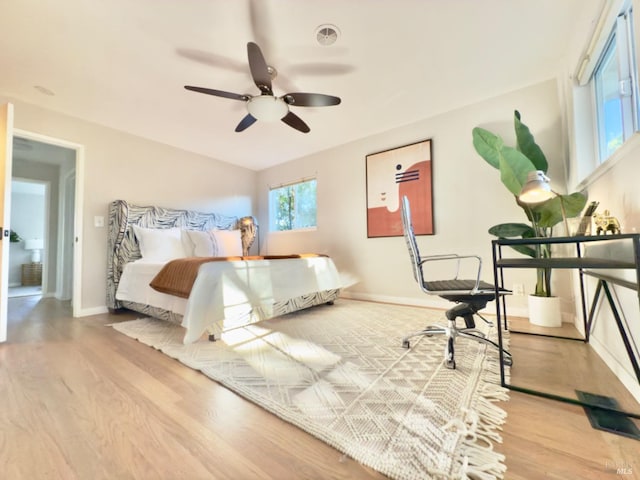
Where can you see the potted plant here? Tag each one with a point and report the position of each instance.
(514, 164)
(14, 237)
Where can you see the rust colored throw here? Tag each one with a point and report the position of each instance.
(178, 276)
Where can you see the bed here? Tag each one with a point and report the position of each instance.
(228, 290)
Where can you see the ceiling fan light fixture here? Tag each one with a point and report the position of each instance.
(267, 108)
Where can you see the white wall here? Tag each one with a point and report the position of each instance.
(122, 166)
(468, 196)
(615, 185)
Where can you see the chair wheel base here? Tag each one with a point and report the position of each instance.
(406, 344)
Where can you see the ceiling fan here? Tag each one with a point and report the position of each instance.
(266, 106)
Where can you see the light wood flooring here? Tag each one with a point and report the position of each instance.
(80, 401)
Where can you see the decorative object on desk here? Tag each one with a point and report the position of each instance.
(606, 224)
(584, 228)
(35, 245)
(518, 166)
(14, 237)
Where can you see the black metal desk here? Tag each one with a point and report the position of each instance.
(585, 265)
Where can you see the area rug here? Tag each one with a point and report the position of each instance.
(340, 373)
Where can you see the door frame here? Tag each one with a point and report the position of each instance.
(76, 303)
(6, 163)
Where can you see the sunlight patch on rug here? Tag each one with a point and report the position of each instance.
(340, 373)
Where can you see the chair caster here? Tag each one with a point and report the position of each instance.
(450, 364)
(508, 361)
(406, 344)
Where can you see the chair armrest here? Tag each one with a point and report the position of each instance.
(458, 258)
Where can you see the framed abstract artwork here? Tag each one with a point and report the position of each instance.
(392, 174)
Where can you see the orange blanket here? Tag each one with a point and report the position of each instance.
(177, 276)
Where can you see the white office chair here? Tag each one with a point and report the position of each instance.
(469, 295)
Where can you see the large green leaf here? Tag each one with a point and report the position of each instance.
(512, 230)
(516, 230)
(574, 204)
(488, 146)
(550, 212)
(528, 146)
(514, 168)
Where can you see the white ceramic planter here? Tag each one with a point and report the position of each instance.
(545, 311)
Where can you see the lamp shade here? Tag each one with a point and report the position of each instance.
(537, 188)
(34, 244)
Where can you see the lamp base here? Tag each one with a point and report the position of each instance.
(35, 256)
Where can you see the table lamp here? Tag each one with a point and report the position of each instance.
(537, 189)
(35, 245)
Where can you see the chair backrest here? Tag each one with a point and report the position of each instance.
(410, 239)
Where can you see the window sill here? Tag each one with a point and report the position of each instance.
(627, 149)
(297, 230)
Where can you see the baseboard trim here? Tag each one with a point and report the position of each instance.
(87, 312)
(429, 301)
(626, 378)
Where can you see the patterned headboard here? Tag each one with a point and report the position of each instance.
(122, 246)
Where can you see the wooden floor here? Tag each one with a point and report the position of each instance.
(80, 401)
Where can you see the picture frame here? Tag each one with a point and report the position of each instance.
(391, 174)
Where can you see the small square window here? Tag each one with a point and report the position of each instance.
(293, 207)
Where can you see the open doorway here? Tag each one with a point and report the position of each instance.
(52, 166)
(28, 242)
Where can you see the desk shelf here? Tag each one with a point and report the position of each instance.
(563, 262)
(593, 266)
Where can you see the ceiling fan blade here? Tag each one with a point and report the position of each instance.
(259, 68)
(246, 122)
(260, 16)
(296, 122)
(311, 100)
(218, 93)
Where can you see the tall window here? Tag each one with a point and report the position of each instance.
(293, 206)
(616, 94)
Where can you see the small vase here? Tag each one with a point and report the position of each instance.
(545, 311)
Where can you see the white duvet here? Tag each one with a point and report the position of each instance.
(226, 295)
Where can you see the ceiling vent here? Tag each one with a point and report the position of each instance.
(327, 34)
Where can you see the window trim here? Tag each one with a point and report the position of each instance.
(619, 48)
(590, 57)
(628, 149)
(271, 212)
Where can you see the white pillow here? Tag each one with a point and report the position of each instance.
(160, 244)
(204, 243)
(229, 243)
(216, 243)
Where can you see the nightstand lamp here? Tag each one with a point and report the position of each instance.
(35, 245)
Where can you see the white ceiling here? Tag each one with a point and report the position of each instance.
(123, 63)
